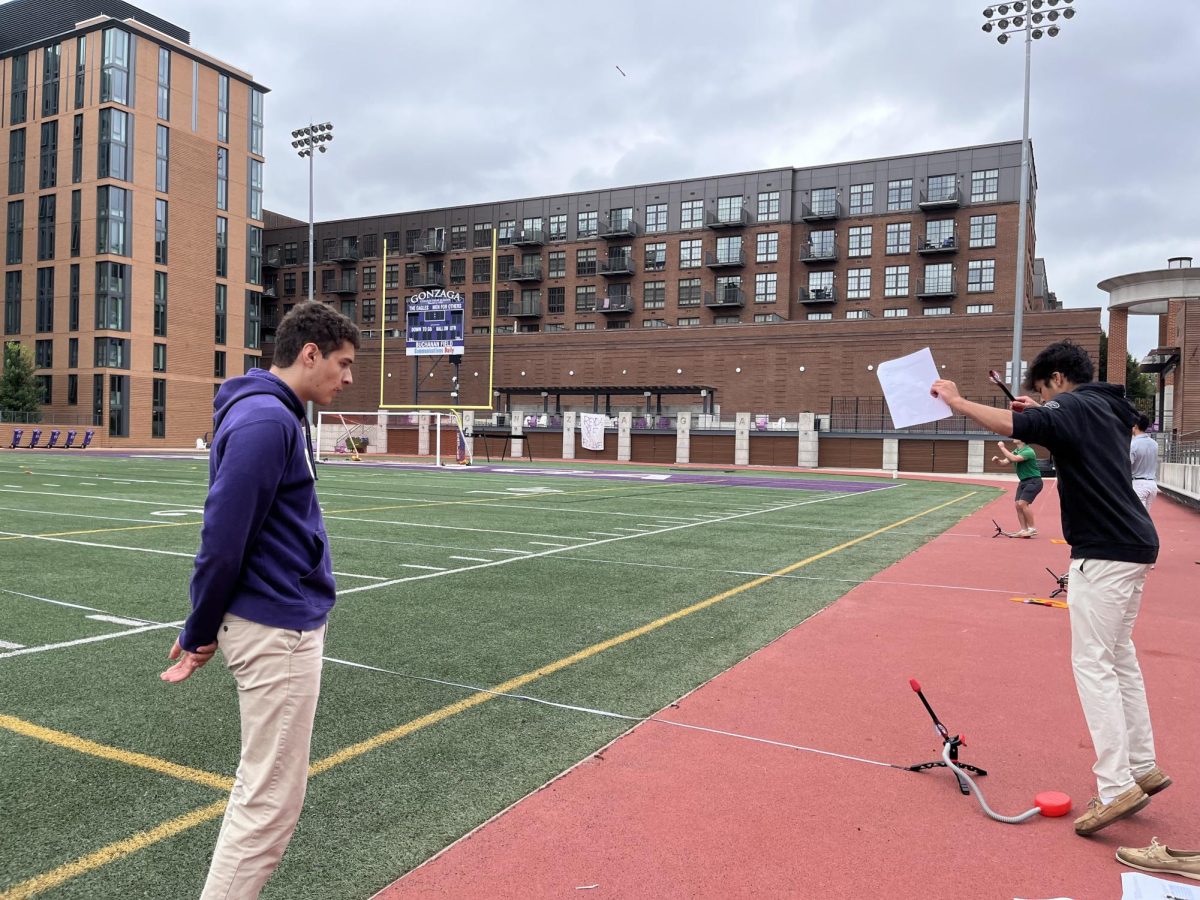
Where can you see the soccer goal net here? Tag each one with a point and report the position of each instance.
(355, 435)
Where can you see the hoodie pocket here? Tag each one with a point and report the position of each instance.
(319, 581)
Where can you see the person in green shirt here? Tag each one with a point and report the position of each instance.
(1024, 463)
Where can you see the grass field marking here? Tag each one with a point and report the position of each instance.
(56, 534)
(364, 577)
(114, 754)
(536, 534)
(59, 540)
(48, 600)
(620, 488)
(387, 737)
(94, 639)
(67, 515)
(113, 852)
(90, 497)
(586, 544)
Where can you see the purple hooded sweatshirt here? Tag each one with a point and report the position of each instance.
(264, 553)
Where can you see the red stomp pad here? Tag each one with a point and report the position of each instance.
(1052, 803)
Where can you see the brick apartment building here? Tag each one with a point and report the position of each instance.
(133, 216)
(777, 289)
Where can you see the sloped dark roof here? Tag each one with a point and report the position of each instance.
(24, 22)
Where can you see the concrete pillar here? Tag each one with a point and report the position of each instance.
(891, 454)
(516, 425)
(422, 434)
(683, 437)
(468, 424)
(741, 440)
(568, 435)
(806, 458)
(1186, 401)
(975, 453)
(624, 424)
(1118, 345)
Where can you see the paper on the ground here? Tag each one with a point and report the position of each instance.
(1136, 886)
(906, 382)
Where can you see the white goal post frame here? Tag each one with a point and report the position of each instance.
(335, 428)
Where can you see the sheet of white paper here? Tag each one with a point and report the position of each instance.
(1136, 886)
(906, 382)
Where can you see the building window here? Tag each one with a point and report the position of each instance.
(16, 161)
(940, 187)
(48, 169)
(458, 272)
(895, 281)
(391, 277)
(164, 83)
(223, 247)
(860, 241)
(254, 189)
(532, 226)
(77, 150)
(654, 323)
(368, 311)
(981, 276)
(729, 209)
(729, 249)
(160, 232)
(162, 156)
(112, 220)
(113, 158)
(684, 321)
(556, 300)
(458, 237)
(587, 224)
(585, 298)
(858, 314)
(689, 292)
(820, 285)
(858, 284)
(160, 304)
(820, 316)
(481, 270)
(218, 363)
(656, 218)
(158, 408)
(974, 309)
(585, 262)
(45, 300)
(727, 320)
(111, 353)
(767, 247)
(80, 69)
(585, 326)
(983, 231)
(939, 278)
(391, 242)
(254, 319)
(43, 385)
(160, 357)
(553, 326)
(256, 122)
(939, 233)
(12, 302)
(557, 264)
(899, 237)
(222, 178)
(223, 108)
(616, 324)
(73, 300)
(690, 255)
(821, 243)
(654, 295)
(895, 313)
(112, 296)
(370, 279)
(483, 235)
(14, 241)
(824, 201)
(18, 99)
(481, 304)
(692, 214)
(220, 314)
(114, 68)
(656, 257)
(768, 206)
(936, 311)
(558, 227)
(765, 286)
(72, 390)
(862, 199)
(985, 185)
(504, 267)
(899, 194)
(507, 229)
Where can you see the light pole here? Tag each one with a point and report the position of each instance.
(306, 140)
(1033, 22)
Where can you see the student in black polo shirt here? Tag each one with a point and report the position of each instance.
(1086, 427)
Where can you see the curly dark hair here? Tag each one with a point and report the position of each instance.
(1065, 357)
(312, 323)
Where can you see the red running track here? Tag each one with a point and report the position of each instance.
(668, 812)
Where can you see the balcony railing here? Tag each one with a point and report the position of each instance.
(818, 253)
(724, 259)
(730, 218)
(726, 296)
(618, 227)
(937, 243)
(944, 198)
(617, 266)
(345, 252)
(526, 272)
(525, 309)
(430, 246)
(427, 279)
(528, 237)
(615, 303)
(269, 291)
(935, 288)
(344, 285)
(817, 295)
(819, 212)
(273, 258)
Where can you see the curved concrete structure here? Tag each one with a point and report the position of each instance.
(1147, 293)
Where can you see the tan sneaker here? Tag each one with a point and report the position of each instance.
(1154, 781)
(1101, 815)
(1160, 858)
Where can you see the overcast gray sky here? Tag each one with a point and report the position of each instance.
(440, 104)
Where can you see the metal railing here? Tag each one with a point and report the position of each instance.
(858, 415)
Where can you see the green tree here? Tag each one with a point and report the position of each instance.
(18, 388)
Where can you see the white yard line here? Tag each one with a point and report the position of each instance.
(470, 558)
(117, 620)
(529, 534)
(366, 577)
(57, 515)
(88, 640)
(415, 566)
(9, 645)
(547, 544)
(171, 505)
(48, 600)
(54, 540)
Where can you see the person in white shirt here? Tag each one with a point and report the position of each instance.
(1143, 460)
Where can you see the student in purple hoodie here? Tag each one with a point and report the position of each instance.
(1086, 425)
(263, 586)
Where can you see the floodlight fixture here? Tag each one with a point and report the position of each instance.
(1052, 31)
(1003, 38)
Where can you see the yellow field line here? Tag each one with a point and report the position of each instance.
(144, 839)
(113, 852)
(115, 754)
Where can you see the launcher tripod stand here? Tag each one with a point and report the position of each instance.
(953, 742)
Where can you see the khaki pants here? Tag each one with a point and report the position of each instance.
(278, 675)
(1104, 598)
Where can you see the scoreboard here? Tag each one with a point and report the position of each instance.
(435, 324)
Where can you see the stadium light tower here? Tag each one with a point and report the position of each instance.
(1034, 18)
(306, 140)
